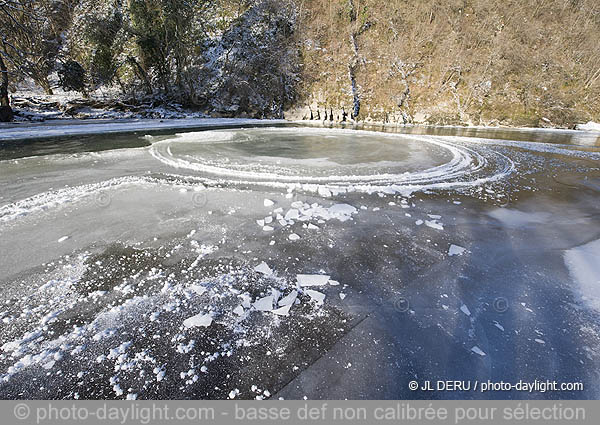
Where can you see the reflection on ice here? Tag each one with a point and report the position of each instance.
(584, 265)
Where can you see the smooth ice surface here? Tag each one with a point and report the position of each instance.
(515, 218)
(79, 128)
(297, 262)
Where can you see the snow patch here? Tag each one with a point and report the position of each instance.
(589, 126)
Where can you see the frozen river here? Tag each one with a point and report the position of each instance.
(289, 261)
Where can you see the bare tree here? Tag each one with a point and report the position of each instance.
(6, 113)
(30, 39)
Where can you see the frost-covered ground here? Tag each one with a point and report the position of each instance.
(296, 262)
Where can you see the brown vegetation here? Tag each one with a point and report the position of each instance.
(526, 62)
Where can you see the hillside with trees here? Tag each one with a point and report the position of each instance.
(480, 62)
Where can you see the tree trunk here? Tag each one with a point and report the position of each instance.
(45, 84)
(6, 113)
(354, 62)
(141, 73)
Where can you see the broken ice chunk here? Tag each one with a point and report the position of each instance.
(419, 222)
(276, 294)
(239, 310)
(317, 296)
(261, 223)
(289, 298)
(456, 250)
(198, 289)
(264, 303)
(477, 350)
(434, 224)
(342, 212)
(64, 238)
(292, 214)
(293, 237)
(263, 268)
(342, 296)
(312, 279)
(333, 282)
(246, 300)
(465, 310)
(283, 311)
(268, 228)
(324, 192)
(268, 203)
(198, 320)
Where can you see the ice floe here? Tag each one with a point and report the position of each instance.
(478, 350)
(434, 224)
(312, 279)
(456, 250)
(263, 268)
(264, 303)
(289, 299)
(202, 319)
(282, 311)
(316, 296)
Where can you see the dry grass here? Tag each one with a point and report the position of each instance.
(469, 61)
